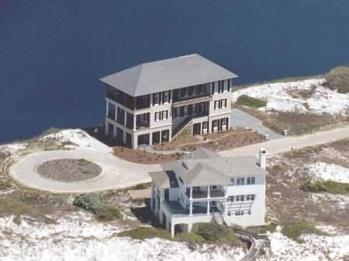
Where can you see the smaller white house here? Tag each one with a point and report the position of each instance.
(206, 187)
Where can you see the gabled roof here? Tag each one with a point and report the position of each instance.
(204, 175)
(168, 74)
(160, 179)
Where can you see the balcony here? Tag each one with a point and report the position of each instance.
(202, 193)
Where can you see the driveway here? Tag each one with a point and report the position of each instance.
(288, 143)
(242, 119)
(116, 173)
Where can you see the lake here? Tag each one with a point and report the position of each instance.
(52, 52)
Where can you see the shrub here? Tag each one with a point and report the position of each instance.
(212, 232)
(92, 203)
(295, 229)
(142, 233)
(191, 238)
(326, 186)
(250, 101)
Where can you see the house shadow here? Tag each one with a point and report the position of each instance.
(145, 215)
(98, 133)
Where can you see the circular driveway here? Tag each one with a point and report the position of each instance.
(116, 173)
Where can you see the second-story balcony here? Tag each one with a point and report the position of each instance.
(191, 93)
(205, 192)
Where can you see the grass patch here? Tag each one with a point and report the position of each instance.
(326, 186)
(246, 100)
(93, 203)
(338, 79)
(142, 233)
(215, 233)
(263, 229)
(295, 229)
(209, 233)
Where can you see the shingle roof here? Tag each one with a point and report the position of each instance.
(160, 179)
(168, 74)
(204, 175)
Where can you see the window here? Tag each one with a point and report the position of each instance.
(183, 92)
(250, 197)
(220, 86)
(251, 180)
(111, 111)
(156, 99)
(157, 116)
(229, 84)
(181, 112)
(191, 90)
(224, 103)
(231, 198)
(224, 121)
(240, 181)
(239, 213)
(215, 104)
(165, 97)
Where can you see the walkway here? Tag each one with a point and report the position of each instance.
(288, 143)
(242, 119)
(116, 173)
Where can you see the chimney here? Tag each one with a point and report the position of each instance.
(262, 158)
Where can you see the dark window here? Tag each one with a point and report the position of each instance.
(181, 111)
(183, 92)
(129, 121)
(120, 116)
(111, 111)
(156, 137)
(191, 91)
(156, 98)
(165, 136)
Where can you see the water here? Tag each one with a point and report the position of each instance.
(52, 52)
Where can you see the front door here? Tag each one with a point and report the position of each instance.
(197, 129)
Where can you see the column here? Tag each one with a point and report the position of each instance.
(150, 138)
(208, 207)
(208, 191)
(190, 226)
(191, 201)
(134, 121)
(152, 197)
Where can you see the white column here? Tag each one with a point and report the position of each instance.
(208, 191)
(106, 108)
(152, 197)
(208, 207)
(191, 201)
(190, 226)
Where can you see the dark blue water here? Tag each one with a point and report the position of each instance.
(52, 52)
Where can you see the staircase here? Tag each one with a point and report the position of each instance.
(181, 126)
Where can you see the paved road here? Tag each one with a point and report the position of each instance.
(293, 142)
(116, 173)
(242, 119)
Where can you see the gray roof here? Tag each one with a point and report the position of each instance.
(160, 179)
(203, 175)
(214, 170)
(202, 153)
(168, 74)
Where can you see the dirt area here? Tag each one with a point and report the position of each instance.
(69, 170)
(286, 201)
(214, 141)
(144, 157)
(232, 138)
(296, 123)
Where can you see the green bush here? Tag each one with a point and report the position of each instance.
(295, 229)
(92, 203)
(326, 186)
(142, 233)
(191, 238)
(250, 101)
(212, 232)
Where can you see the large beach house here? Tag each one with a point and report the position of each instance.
(206, 188)
(149, 103)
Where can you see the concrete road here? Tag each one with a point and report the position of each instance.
(242, 119)
(116, 173)
(288, 143)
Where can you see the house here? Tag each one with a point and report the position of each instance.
(149, 103)
(207, 187)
